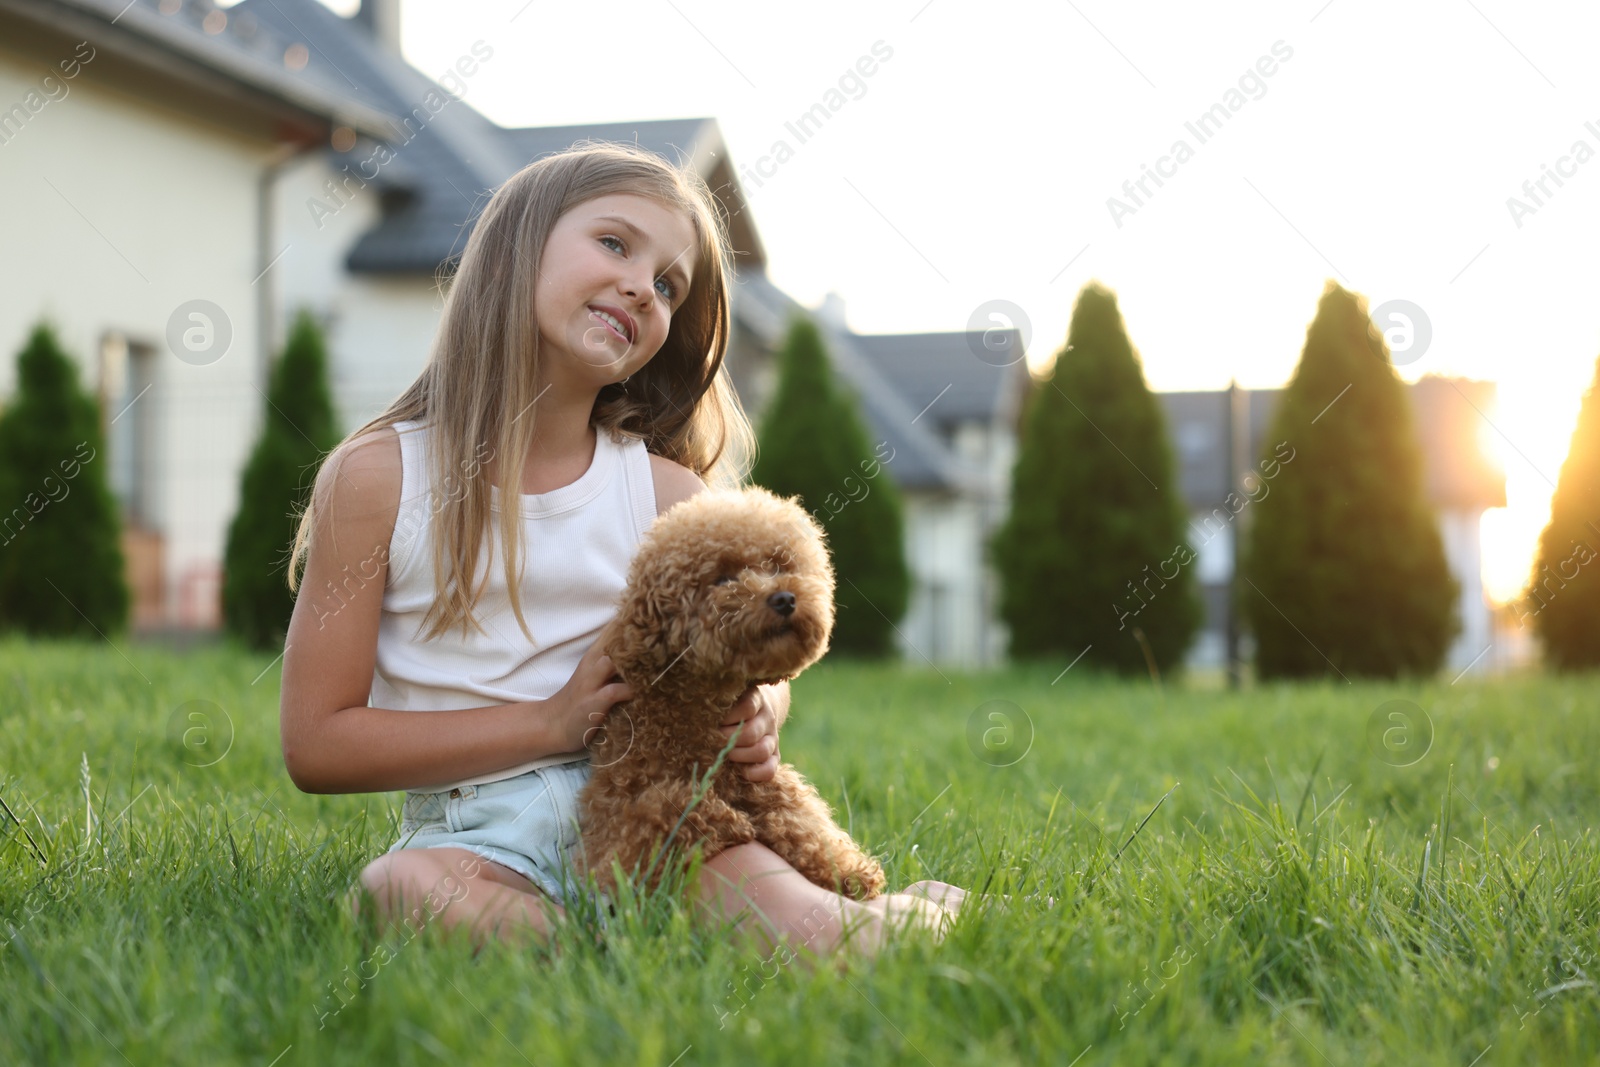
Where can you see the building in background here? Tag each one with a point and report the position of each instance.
(209, 171)
(1219, 437)
(138, 152)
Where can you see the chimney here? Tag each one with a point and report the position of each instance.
(831, 311)
(381, 18)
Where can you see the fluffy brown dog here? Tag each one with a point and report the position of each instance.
(729, 589)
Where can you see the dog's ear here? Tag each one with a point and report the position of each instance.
(658, 617)
(807, 541)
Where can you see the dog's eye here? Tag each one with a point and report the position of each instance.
(724, 580)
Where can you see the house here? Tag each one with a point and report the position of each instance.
(275, 155)
(268, 156)
(138, 144)
(1218, 438)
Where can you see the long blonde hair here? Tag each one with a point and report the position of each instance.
(477, 389)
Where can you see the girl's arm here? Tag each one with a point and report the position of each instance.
(332, 741)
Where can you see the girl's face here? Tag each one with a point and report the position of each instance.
(614, 271)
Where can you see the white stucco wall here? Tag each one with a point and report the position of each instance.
(117, 213)
(383, 334)
(945, 618)
(379, 328)
(1463, 552)
(951, 616)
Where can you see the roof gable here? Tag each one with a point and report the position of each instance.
(941, 374)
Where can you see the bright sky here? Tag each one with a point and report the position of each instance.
(975, 163)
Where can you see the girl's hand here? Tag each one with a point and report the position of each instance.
(757, 726)
(579, 709)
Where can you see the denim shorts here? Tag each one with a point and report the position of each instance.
(528, 823)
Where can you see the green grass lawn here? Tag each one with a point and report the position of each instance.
(1300, 897)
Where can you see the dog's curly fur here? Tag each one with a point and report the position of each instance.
(729, 589)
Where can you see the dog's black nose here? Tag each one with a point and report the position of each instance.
(782, 603)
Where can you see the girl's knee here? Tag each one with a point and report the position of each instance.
(416, 887)
(392, 871)
(398, 880)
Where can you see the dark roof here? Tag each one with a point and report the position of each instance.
(676, 139)
(445, 161)
(1448, 414)
(941, 375)
(451, 171)
(449, 161)
(921, 459)
(345, 56)
(239, 56)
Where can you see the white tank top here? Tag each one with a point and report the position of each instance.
(577, 544)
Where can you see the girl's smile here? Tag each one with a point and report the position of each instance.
(614, 270)
(615, 320)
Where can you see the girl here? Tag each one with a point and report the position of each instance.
(462, 550)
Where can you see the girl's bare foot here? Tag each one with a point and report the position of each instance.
(929, 904)
(949, 897)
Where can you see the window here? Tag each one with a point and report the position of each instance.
(1194, 438)
(127, 374)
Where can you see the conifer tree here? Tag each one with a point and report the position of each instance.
(298, 432)
(1094, 554)
(1345, 572)
(812, 443)
(61, 563)
(1563, 595)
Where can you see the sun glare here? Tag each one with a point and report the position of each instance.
(1529, 436)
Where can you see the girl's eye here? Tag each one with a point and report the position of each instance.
(672, 290)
